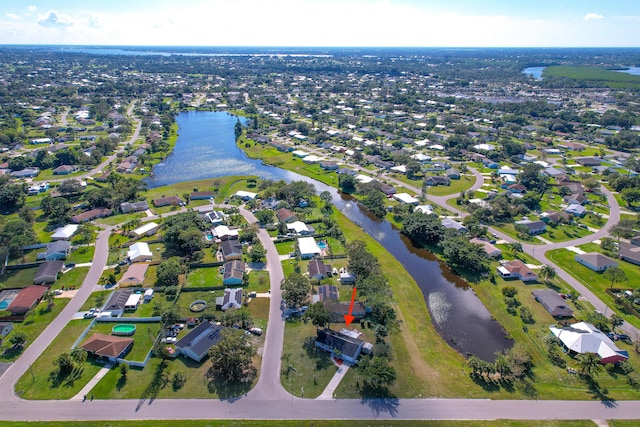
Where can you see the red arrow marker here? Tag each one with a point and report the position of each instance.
(348, 318)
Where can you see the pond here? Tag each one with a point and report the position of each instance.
(534, 72)
(206, 149)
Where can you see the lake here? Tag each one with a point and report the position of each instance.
(206, 149)
(535, 72)
(631, 70)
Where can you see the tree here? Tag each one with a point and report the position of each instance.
(65, 365)
(361, 262)
(231, 358)
(59, 210)
(377, 372)
(631, 196)
(616, 321)
(589, 364)
(258, 252)
(124, 370)
(423, 228)
(79, 355)
(374, 201)
(515, 247)
(531, 178)
(237, 129)
(18, 339)
(171, 315)
(347, 183)
(265, 216)
(623, 229)
(70, 186)
(168, 272)
(547, 273)
(295, 290)
(319, 314)
(615, 274)
(178, 380)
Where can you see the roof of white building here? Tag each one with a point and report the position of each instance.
(65, 233)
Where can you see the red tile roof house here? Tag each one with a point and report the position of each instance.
(26, 299)
(285, 215)
(516, 269)
(108, 346)
(166, 201)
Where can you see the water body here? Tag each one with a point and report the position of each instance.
(535, 72)
(206, 149)
(631, 70)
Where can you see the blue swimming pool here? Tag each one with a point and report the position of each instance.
(3, 305)
(322, 244)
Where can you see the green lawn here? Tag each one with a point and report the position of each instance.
(597, 282)
(96, 299)
(37, 383)
(117, 219)
(562, 233)
(302, 365)
(284, 248)
(33, 325)
(258, 281)
(186, 298)
(203, 277)
(72, 278)
(457, 186)
(17, 278)
(82, 255)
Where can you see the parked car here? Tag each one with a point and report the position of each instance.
(255, 331)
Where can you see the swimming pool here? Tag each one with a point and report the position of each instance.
(123, 329)
(3, 305)
(322, 244)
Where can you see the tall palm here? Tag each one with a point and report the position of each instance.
(589, 364)
(547, 273)
(515, 247)
(615, 274)
(79, 355)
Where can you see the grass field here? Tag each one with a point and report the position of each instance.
(33, 325)
(81, 255)
(204, 277)
(457, 186)
(17, 278)
(606, 77)
(143, 338)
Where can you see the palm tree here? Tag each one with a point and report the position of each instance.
(547, 273)
(616, 321)
(515, 247)
(616, 274)
(79, 355)
(589, 364)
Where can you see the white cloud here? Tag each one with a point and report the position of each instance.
(11, 15)
(55, 20)
(32, 8)
(592, 16)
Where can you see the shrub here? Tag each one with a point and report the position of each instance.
(526, 315)
(509, 291)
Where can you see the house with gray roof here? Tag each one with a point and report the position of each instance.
(455, 225)
(340, 345)
(48, 272)
(533, 227)
(57, 250)
(595, 261)
(552, 302)
(197, 343)
(629, 252)
(233, 272)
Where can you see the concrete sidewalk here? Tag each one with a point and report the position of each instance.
(335, 381)
(92, 383)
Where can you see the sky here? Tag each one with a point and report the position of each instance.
(410, 23)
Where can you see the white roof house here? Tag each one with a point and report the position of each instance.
(312, 158)
(246, 195)
(300, 227)
(145, 230)
(300, 153)
(400, 168)
(133, 301)
(65, 233)
(405, 198)
(583, 337)
(364, 179)
(308, 247)
(485, 147)
(139, 251)
(224, 232)
(425, 209)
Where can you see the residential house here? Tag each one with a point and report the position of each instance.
(347, 278)
(576, 210)
(26, 299)
(488, 163)
(339, 309)
(26, 173)
(245, 195)
(552, 302)
(595, 261)
(5, 329)
(452, 173)
(340, 345)
(128, 207)
(300, 228)
(222, 232)
(138, 252)
(434, 180)
(589, 161)
(583, 337)
(197, 343)
(232, 299)
(553, 217)
(318, 270)
(167, 201)
(329, 165)
(575, 199)
(285, 215)
(231, 249)
(201, 195)
(516, 269)
(109, 347)
(406, 198)
(233, 273)
(488, 247)
(533, 227)
(455, 225)
(308, 247)
(147, 229)
(387, 189)
(425, 209)
(215, 217)
(575, 186)
(90, 215)
(327, 293)
(116, 302)
(64, 170)
(134, 276)
(65, 233)
(56, 250)
(554, 173)
(48, 272)
(517, 188)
